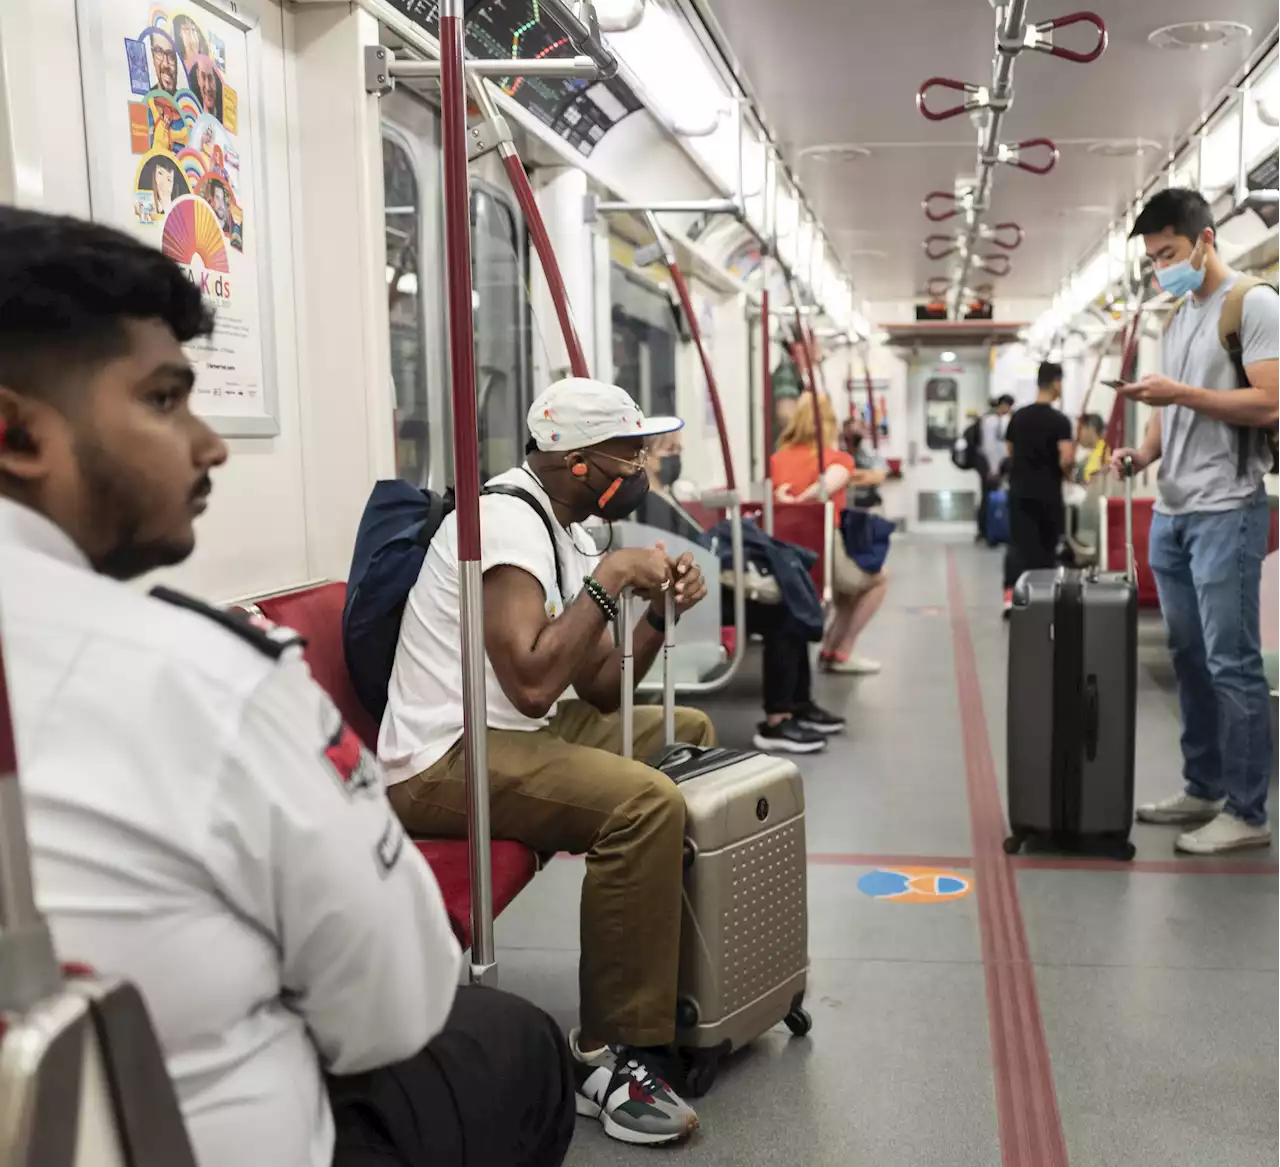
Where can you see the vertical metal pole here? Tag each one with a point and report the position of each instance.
(871, 396)
(1242, 163)
(626, 614)
(466, 461)
(1130, 567)
(766, 382)
(668, 676)
(29, 970)
(740, 195)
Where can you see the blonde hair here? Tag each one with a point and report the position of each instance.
(800, 429)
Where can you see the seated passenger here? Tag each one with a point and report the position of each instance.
(202, 822)
(553, 683)
(793, 721)
(1093, 441)
(794, 469)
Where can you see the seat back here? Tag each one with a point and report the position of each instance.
(316, 614)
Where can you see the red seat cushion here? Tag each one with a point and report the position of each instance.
(512, 864)
(316, 613)
(802, 524)
(728, 639)
(1143, 508)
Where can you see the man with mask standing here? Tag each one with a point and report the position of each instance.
(553, 688)
(1212, 409)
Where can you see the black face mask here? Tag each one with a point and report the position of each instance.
(669, 469)
(622, 496)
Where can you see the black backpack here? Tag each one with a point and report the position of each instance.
(965, 449)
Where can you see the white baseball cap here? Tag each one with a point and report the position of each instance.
(578, 412)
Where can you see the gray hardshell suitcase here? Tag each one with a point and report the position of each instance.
(1072, 706)
(744, 938)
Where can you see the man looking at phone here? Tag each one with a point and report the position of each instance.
(1209, 532)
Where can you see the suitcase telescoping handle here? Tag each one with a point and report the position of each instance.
(1130, 566)
(626, 614)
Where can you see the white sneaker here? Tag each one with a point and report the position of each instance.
(852, 665)
(1181, 809)
(1225, 833)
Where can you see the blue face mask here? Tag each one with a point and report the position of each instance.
(1180, 279)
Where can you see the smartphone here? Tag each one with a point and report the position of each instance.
(1115, 384)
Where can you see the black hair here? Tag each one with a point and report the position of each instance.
(1094, 422)
(1186, 212)
(1005, 399)
(531, 446)
(1050, 373)
(67, 287)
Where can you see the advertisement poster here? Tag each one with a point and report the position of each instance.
(174, 165)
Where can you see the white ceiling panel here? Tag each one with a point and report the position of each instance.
(847, 71)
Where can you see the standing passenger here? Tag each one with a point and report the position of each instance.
(1042, 453)
(1209, 531)
(202, 823)
(991, 457)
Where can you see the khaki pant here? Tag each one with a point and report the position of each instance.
(564, 788)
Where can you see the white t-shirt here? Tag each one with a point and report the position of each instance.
(202, 824)
(423, 717)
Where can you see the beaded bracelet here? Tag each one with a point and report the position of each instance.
(605, 602)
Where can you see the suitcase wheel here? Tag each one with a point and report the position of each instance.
(701, 1072)
(799, 1022)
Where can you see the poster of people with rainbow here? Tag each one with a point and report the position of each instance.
(177, 167)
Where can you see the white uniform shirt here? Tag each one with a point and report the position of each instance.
(423, 717)
(202, 825)
(992, 435)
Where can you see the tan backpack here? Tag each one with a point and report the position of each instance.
(1229, 336)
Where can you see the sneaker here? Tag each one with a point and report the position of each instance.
(1224, 833)
(632, 1103)
(851, 665)
(1181, 809)
(788, 737)
(819, 720)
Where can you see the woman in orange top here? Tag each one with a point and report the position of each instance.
(794, 469)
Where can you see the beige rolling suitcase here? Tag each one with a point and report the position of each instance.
(744, 942)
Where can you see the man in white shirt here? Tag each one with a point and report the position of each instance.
(553, 681)
(202, 823)
(990, 458)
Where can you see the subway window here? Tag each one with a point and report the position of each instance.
(404, 305)
(644, 340)
(503, 325)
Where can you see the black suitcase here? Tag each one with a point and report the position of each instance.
(1073, 647)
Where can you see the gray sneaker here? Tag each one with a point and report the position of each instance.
(631, 1101)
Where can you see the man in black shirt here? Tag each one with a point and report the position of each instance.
(1042, 452)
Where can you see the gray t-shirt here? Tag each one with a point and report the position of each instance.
(1199, 469)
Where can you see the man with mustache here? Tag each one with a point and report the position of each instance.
(202, 823)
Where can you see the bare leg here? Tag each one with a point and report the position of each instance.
(841, 620)
(865, 605)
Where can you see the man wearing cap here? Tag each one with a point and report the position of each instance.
(553, 681)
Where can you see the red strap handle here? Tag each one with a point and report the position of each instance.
(996, 265)
(993, 235)
(1046, 29)
(952, 111)
(932, 251)
(932, 215)
(1015, 158)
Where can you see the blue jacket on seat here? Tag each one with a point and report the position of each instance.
(787, 563)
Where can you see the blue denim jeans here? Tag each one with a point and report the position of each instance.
(1208, 570)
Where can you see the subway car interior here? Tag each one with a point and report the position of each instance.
(830, 237)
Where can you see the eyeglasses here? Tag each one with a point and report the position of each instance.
(639, 462)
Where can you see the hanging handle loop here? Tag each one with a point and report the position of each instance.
(1012, 155)
(1043, 39)
(937, 287)
(935, 216)
(940, 246)
(1006, 235)
(977, 97)
(996, 265)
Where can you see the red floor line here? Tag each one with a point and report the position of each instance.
(1147, 866)
(1030, 1123)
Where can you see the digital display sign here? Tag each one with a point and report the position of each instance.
(581, 112)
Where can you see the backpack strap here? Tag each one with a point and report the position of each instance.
(1229, 323)
(1178, 305)
(525, 497)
